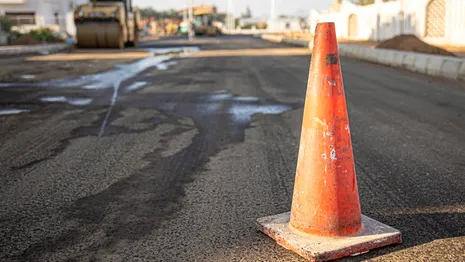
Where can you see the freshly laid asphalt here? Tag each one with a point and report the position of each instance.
(179, 167)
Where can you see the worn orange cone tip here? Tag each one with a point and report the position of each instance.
(325, 221)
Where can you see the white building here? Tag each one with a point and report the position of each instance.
(284, 24)
(434, 21)
(32, 14)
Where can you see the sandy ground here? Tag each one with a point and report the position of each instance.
(76, 63)
(458, 50)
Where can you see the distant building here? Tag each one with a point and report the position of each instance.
(33, 14)
(284, 24)
(434, 21)
(251, 22)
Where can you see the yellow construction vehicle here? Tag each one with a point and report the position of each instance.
(205, 18)
(107, 24)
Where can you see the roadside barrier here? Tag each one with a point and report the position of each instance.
(432, 65)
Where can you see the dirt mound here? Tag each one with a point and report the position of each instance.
(26, 40)
(413, 44)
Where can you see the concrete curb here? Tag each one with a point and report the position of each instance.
(297, 42)
(273, 38)
(462, 72)
(33, 49)
(433, 65)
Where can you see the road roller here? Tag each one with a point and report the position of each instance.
(205, 18)
(106, 24)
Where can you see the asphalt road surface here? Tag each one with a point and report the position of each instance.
(173, 157)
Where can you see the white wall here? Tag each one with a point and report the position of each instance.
(26, 6)
(45, 11)
(382, 21)
(456, 22)
(280, 24)
(12, 2)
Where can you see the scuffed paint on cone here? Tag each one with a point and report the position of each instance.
(325, 198)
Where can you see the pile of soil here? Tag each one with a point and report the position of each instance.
(413, 44)
(26, 40)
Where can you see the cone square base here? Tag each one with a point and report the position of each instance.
(316, 248)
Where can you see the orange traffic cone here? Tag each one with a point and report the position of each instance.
(325, 221)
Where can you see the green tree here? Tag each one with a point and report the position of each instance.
(152, 13)
(5, 24)
(248, 13)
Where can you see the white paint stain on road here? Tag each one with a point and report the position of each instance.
(241, 109)
(219, 97)
(135, 86)
(244, 113)
(116, 77)
(126, 72)
(183, 51)
(247, 99)
(24, 77)
(63, 99)
(113, 79)
(12, 111)
(165, 66)
(54, 99)
(79, 101)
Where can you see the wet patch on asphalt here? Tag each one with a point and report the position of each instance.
(111, 79)
(219, 120)
(205, 123)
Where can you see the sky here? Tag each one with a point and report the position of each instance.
(260, 8)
